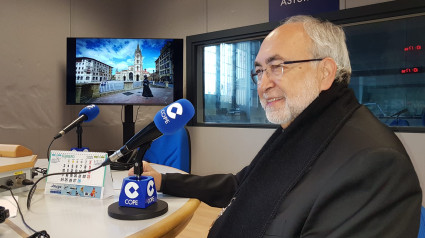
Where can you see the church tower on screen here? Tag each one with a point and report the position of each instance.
(138, 65)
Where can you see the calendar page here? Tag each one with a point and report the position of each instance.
(91, 184)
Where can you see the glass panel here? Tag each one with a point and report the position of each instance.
(229, 94)
(387, 58)
(388, 77)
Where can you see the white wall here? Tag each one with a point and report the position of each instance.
(33, 58)
(32, 66)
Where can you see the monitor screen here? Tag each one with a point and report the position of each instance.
(124, 71)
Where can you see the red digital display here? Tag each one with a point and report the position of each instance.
(412, 70)
(413, 48)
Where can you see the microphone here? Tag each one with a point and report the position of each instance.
(138, 198)
(167, 121)
(86, 114)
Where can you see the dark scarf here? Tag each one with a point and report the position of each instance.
(285, 158)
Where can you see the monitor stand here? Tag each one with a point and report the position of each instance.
(128, 124)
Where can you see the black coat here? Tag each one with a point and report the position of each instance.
(362, 185)
(146, 89)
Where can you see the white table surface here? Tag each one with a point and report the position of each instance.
(65, 216)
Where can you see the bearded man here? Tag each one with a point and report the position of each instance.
(330, 170)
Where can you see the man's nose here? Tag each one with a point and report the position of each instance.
(266, 81)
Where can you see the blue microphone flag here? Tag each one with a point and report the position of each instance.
(174, 117)
(91, 112)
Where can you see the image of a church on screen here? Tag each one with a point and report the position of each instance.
(121, 71)
(90, 70)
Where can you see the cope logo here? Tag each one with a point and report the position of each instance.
(150, 189)
(178, 108)
(128, 190)
(91, 106)
(172, 111)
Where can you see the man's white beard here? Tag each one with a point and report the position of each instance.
(293, 106)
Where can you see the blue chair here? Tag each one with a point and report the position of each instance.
(399, 122)
(422, 225)
(171, 150)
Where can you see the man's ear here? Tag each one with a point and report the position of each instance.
(327, 71)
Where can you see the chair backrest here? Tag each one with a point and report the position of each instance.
(399, 122)
(422, 225)
(171, 150)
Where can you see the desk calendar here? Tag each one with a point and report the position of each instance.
(95, 184)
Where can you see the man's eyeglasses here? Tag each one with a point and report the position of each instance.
(275, 70)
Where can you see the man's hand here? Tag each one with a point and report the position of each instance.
(149, 171)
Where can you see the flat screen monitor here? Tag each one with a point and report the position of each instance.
(113, 71)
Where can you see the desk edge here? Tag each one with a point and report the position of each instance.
(171, 222)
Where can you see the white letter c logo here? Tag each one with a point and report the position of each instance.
(179, 111)
(150, 188)
(130, 194)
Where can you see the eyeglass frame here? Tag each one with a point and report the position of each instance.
(253, 73)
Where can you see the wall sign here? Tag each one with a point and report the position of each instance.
(281, 9)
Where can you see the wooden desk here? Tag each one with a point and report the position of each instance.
(64, 216)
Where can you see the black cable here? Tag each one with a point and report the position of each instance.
(48, 149)
(34, 186)
(39, 234)
(41, 170)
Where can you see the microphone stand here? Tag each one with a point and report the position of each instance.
(79, 136)
(79, 139)
(138, 163)
(125, 209)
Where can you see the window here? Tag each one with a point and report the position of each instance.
(388, 59)
(219, 77)
(229, 94)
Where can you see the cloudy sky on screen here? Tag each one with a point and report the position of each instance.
(119, 53)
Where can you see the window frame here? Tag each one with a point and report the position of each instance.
(194, 69)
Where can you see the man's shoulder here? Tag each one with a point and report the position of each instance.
(364, 128)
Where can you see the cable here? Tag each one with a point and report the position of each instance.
(42, 171)
(37, 234)
(48, 149)
(34, 186)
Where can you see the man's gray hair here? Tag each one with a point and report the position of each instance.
(328, 41)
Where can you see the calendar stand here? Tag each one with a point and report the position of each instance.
(95, 184)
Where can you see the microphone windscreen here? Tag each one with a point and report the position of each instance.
(91, 111)
(174, 116)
